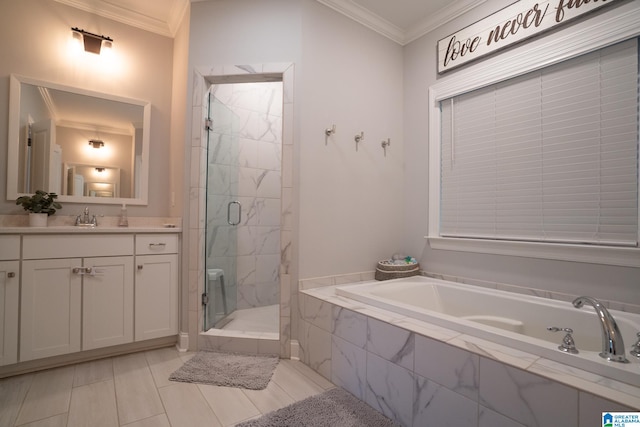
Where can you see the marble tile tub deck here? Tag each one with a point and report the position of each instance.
(413, 371)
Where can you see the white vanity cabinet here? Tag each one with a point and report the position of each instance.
(107, 302)
(9, 298)
(156, 286)
(77, 293)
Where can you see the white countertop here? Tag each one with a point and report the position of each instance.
(64, 229)
(64, 224)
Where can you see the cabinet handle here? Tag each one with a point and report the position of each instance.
(11, 275)
(139, 267)
(96, 271)
(82, 270)
(157, 245)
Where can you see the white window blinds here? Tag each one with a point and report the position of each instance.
(549, 156)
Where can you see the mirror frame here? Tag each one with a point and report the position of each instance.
(14, 137)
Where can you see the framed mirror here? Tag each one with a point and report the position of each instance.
(87, 147)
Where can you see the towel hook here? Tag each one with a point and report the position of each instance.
(328, 132)
(385, 144)
(359, 138)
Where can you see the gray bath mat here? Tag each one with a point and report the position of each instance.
(227, 369)
(335, 407)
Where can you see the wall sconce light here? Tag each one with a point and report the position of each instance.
(96, 143)
(92, 42)
(100, 169)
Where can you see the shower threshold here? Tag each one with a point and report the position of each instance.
(259, 322)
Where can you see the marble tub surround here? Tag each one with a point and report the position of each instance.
(104, 222)
(413, 371)
(514, 320)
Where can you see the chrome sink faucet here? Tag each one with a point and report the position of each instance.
(85, 219)
(612, 343)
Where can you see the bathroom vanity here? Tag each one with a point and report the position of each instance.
(69, 294)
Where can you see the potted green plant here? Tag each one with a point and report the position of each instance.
(39, 205)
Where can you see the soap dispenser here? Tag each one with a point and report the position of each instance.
(123, 221)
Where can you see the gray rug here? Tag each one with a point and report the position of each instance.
(227, 369)
(333, 408)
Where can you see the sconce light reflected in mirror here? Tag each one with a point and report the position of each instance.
(100, 169)
(96, 143)
(92, 42)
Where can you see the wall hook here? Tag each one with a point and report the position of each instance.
(385, 144)
(359, 138)
(328, 132)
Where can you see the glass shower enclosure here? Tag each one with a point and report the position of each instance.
(223, 214)
(243, 206)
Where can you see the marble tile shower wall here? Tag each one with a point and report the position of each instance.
(195, 237)
(417, 380)
(251, 174)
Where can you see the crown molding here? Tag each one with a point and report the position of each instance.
(366, 18)
(48, 101)
(133, 18)
(441, 17)
(176, 15)
(393, 32)
(347, 8)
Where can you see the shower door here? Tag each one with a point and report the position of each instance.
(223, 214)
(244, 190)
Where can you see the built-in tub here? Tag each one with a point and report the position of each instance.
(515, 320)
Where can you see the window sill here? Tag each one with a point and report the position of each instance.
(608, 255)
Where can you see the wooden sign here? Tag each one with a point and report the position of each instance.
(514, 23)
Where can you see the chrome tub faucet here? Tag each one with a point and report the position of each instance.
(612, 343)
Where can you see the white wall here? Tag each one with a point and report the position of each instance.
(34, 38)
(612, 283)
(350, 203)
(178, 116)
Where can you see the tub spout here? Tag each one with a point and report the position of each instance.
(612, 343)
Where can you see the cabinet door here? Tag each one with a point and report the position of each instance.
(9, 299)
(50, 308)
(156, 310)
(107, 302)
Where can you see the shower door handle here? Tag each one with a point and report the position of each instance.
(235, 202)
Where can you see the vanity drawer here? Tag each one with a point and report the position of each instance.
(147, 244)
(9, 248)
(70, 246)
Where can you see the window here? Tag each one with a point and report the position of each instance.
(550, 156)
(605, 232)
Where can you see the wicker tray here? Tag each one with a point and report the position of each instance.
(385, 270)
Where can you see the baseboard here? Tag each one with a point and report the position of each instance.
(85, 356)
(183, 342)
(295, 350)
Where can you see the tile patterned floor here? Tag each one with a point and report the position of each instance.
(133, 391)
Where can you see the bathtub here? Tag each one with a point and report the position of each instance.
(514, 320)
